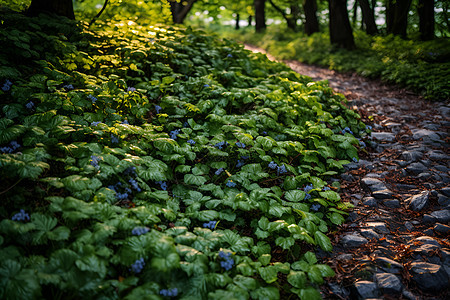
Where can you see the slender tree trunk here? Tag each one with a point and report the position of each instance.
(397, 16)
(368, 17)
(355, 13)
(341, 33)
(291, 22)
(311, 23)
(180, 11)
(58, 7)
(237, 22)
(250, 20)
(260, 15)
(426, 19)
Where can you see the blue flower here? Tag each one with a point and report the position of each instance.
(362, 144)
(121, 196)
(228, 262)
(192, 142)
(21, 216)
(219, 171)
(138, 266)
(206, 85)
(125, 122)
(140, 230)
(68, 87)
(308, 188)
(326, 188)
(240, 145)
(131, 89)
(174, 133)
(272, 165)
(368, 127)
(307, 196)
(163, 184)
(230, 183)
(315, 207)
(229, 55)
(211, 224)
(355, 159)
(13, 146)
(346, 129)
(281, 170)
(95, 123)
(6, 150)
(220, 145)
(185, 124)
(158, 108)
(169, 293)
(224, 254)
(245, 157)
(114, 139)
(240, 163)
(92, 98)
(6, 86)
(29, 105)
(264, 133)
(134, 184)
(130, 171)
(95, 160)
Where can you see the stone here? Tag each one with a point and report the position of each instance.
(418, 202)
(425, 134)
(441, 228)
(429, 232)
(443, 200)
(366, 289)
(369, 234)
(423, 240)
(347, 177)
(445, 191)
(383, 136)
(437, 155)
(339, 290)
(353, 240)
(416, 168)
(383, 194)
(424, 176)
(344, 256)
(409, 225)
(389, 265)
(408, 295)
(429, 277)
(411, 156)
(389, 283)
(428, 219)
(442, 216)
(392, 203)
(373, 184)
(370, 201)
(378, 227)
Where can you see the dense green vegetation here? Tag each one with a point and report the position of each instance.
(144, 162)
(423, 67)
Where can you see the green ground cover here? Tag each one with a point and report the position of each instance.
(423, 67)
(144, 162)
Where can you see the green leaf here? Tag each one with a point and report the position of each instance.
(330, 195)
(266, 293)
(297, 279)
(295, 195)
(323, 241)
(194, 179)
(310, 257)
(336, 218)
(309, 293)
(59, 234)
(285, 243)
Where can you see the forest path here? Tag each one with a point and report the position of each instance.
(395, 243)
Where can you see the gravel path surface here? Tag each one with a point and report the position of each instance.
(395, 243)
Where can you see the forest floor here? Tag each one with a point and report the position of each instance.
(395, 243)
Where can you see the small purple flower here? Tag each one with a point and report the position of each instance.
(307, 196)
(211, 225)
(131, 89)
(92, 98)
(138, 266)
(114, 139)
(230, 183)
(315, 207)
(68, 87)
(192, 142)
(130, 171)
(308, 188)
(362, 144)
(185, 124)
(174, 134)
(220, 145)
(281, 169)
(272, 165)
(95, 160)
(6, 86)
(163, 184)
(264, 133)
(245, 157)
(169, 293)
(206, 85)
(368, 127)
(125, 122)
(158, 108)
(240, 145)
(21, 216)
(355, 159)
(29, 105)
(140, 230)
(219, 171)
(95, 123)
(326, 188)
(134, 184)
(240, 163)
(228, 262)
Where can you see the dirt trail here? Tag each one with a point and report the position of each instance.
(395, 243)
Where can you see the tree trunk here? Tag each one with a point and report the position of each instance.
(260, 15)
(368, 17)
(250, 19)
(59, 7)
(397, 16)
(341, 33)
(180, 11)
(237, 22)
(426, 19)
(311, 23)
(355, 13)
(291, 22)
